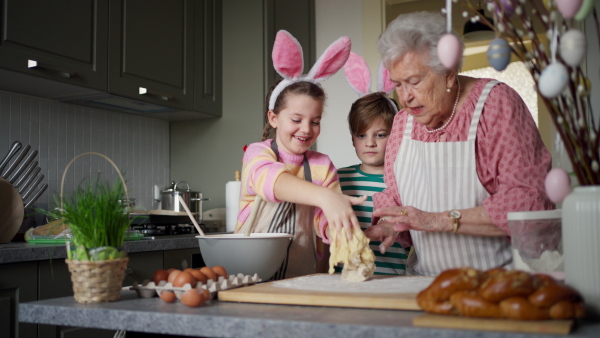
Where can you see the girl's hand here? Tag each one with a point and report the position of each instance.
(408, 218)
(337, 208)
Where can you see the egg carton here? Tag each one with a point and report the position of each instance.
(149, 289)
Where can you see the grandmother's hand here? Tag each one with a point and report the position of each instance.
(408, 218)
(382, 231)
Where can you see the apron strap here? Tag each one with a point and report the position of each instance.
(479, 108)
(307, 174)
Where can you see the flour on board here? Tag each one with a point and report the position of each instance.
(377, 284)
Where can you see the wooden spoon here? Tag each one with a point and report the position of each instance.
(187, 210)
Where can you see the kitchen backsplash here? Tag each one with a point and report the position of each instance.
(139, 146)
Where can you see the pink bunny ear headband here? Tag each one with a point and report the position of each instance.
(289, 62)
(359, 77)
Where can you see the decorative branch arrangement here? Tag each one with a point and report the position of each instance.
(555, 65)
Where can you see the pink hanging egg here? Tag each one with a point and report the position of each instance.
(568, 8)
(449, 50)
(558, 184)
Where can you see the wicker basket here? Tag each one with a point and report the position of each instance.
(97, 281)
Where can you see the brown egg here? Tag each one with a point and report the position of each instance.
(183, 278)
(210, 274)
(220, 271)
(171, 270)
(206, 295)
(200, 277)
(172, 275)
(192, 298)
(159, 275)
(168, 296)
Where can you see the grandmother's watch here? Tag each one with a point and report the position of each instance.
(455, 215)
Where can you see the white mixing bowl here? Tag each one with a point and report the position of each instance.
(260, 253)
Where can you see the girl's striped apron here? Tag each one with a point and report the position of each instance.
(290, 218)
(441, 176)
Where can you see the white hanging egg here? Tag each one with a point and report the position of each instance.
(553, 80)
(498, 54)
(568, 8)
(558, 184)
(572, 47)
(449, 50)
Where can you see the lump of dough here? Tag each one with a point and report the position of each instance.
(357, 256)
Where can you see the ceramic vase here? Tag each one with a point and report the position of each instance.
(581, 238)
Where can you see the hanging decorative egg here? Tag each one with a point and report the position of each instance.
(553, 80)
(568, 8)
(558, 184)
(508, 8)
(585, 10)
(572, 47)
(448, 50)
(498, 54)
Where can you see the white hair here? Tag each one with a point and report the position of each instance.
(417, 31)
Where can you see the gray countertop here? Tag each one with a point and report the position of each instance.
(225, 319)
(16, 252)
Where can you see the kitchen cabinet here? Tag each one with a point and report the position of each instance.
(61, 40)
(152, 57)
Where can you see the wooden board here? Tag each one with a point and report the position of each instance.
(503, 325)
(268, 293)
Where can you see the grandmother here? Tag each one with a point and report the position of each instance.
(461, 154)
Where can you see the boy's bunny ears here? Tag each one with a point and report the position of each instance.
(289, 62)
(359, 77)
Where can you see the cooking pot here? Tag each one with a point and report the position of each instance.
(170, 199)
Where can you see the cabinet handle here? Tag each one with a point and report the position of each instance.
(42, 66)
(162, 96)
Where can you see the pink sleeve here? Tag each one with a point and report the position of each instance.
(512, 161)
(260, 170)
(331, 180)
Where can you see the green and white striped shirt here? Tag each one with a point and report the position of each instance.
(355, 182)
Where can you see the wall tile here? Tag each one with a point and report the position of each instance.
(139, 146)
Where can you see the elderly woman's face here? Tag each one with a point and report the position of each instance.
(421, 91)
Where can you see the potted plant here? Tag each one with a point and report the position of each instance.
(98, 224)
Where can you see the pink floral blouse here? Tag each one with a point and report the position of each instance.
(512, 162)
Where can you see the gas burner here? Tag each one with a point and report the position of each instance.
(166, 230)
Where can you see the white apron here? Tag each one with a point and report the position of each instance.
(442, 176)
(290, 218)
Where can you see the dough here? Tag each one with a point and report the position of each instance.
(357, 256)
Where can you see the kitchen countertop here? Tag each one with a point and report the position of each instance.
(227, 319)
(16, 252)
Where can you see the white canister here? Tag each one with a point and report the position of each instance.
(581, 235)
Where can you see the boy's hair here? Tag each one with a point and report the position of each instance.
(299, 88)
(367, 109)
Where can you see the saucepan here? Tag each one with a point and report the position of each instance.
(170, 198)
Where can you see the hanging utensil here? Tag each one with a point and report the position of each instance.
(23, 166)
(16, 146)
(16, 162)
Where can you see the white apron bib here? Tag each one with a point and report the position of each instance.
(440, 176)
(290, 218)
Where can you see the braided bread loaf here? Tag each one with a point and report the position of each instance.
(500, 293)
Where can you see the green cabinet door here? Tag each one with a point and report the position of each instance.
(208, 57)
(63, 40)
(151, 51)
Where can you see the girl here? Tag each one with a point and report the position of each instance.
(296, 190)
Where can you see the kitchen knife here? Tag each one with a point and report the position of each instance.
(26, 174)
(28, 181)
(37, 195)
(16, 146)
(14, 165)
(23, 165)
(33, 186)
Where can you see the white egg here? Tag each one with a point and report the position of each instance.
(553, 80)
(572, 47)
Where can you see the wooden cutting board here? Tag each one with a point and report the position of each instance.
(502, 325)
(330, 290)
